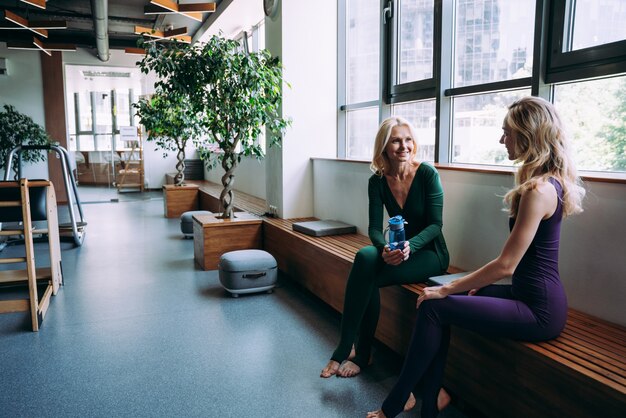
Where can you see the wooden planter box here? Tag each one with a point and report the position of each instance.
(213, 237)
(179, 199)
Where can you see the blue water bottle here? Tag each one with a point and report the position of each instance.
(396, 233)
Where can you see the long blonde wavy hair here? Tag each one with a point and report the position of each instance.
(380, 161)
(542, 148)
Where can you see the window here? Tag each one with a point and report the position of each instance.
(422, 116)
(415, 44)
(412, 45)
(477, 127)
(362, 126)
(493, 41)
(593, 111)
(361, 78)
(452, 68)
(363, 51)
(596, 23)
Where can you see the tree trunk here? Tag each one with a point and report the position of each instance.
(229, 163)
(179, 179)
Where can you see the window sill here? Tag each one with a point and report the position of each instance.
(588, 176)
(595, 176)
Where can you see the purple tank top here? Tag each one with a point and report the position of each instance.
(536, 279)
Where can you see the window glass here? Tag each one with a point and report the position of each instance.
(84, 107)
(363, 51)
(123, 111)
(593, 112)
(362, 126)
(597, 22)
(415, 40)
(422, 117)
(477, 127)
(493, 41)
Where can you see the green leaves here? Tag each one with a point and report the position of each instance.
(19, 129)
(215, 94)
(227, 94)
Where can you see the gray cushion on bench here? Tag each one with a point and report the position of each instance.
(323, 228)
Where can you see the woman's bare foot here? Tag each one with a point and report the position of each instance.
(410, 403)
(330, 370)
(348, 369)
(443, 400)
(376, 414)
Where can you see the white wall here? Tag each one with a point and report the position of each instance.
(592, 262)
(309, 56)
(23, 89)
(249, 177)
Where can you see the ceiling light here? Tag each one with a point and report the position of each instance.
(192, 10)
(37, 3)
(20, 21)
(38, 45)
(179, 34)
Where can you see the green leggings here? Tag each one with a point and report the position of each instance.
(361, 307)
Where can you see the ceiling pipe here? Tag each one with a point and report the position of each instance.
(100, 13)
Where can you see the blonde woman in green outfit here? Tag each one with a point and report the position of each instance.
(403, 186)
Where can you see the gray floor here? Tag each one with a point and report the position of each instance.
(138, 330)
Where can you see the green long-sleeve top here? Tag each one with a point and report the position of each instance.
(423, 212)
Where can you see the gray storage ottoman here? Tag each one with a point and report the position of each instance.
(247, 271)
(186, 221)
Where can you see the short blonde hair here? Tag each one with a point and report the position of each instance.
(542, 148)
(380, 161)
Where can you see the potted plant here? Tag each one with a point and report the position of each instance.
(19, 129)
(227, 93)
(166, 115)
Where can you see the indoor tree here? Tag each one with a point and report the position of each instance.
(19, 129)
(166, 114)
(230, 95)
(170, 123)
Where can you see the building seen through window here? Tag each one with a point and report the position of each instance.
(486, 61)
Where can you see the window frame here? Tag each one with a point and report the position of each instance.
(550, 67)
(596, 61)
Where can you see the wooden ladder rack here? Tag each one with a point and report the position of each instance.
(19, 210)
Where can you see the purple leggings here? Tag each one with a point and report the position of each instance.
(493, 311)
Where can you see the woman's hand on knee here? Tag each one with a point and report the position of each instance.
(432, 292)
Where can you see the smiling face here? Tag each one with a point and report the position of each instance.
(508, 138)
(400, 147)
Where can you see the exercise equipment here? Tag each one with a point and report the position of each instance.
(27, 201)
(75, 228)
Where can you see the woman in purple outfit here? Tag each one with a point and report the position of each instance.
(534, 306)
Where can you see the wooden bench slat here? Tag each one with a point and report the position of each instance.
(607, 378)
(595, 348)
(597, 339)
(597, 322)
(582, 356)
(593, 338)
(604, 335)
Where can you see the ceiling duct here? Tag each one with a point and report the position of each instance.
(100, 13)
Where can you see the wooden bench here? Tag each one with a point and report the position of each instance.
(580, 374)
(208, 197)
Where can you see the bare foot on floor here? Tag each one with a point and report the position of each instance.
(410, 403)
(443, 399)
(348, 369)
(330, 370)
(376, 414)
